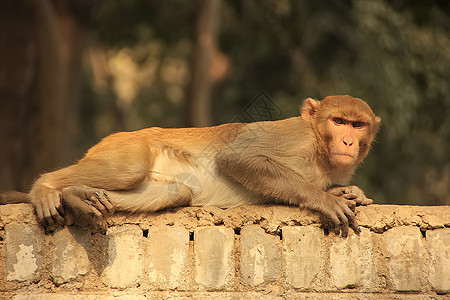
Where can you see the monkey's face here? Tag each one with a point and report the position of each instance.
(344, 137)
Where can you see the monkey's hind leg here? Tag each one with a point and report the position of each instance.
(151, 196)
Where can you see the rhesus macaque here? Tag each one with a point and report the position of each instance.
(305, 161)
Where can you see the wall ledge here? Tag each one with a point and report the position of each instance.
(261, 252)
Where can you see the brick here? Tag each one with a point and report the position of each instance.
(24, 246)
(439, 248)
(303, 254)
(260, 261)
(69, 256)
(124, 256)
(233, 296)
(358, 296)
(351, 260)
(213, 248)
(404, 250)
(168, 252)
(79, 296)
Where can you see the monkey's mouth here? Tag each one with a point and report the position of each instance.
(342, 154)
(344, 159)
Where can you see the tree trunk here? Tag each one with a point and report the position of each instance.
(74, 36)
(39, 89)
(47, 119)
(199, 108)
(17, 80)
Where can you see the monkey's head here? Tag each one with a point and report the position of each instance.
(344, 127)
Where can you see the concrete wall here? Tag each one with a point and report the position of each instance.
(249, 252)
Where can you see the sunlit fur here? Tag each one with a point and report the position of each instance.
(284, 161)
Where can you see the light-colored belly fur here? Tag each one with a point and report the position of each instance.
(206, 183)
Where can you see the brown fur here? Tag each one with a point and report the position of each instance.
(294, 161)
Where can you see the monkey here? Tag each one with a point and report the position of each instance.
(305, 161)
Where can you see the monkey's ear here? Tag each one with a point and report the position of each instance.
(308, 109)
(377, 123)
(377, 120)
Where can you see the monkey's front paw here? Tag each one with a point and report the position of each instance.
(85, 201)
(47, 203)
(351, 193)
(342, 213)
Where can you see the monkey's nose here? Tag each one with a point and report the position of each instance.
(348, 142)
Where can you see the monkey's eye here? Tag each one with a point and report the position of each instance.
(358, 124)
(338, 121)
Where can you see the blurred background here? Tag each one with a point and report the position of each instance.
(73, 71)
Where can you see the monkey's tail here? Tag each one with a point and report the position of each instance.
(12, 197)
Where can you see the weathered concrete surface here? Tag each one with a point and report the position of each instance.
(377, 218)
(214, 262)
(380, 218)
(17, 213)
(260, 261)
(439, 247)
(168, 253)
(124, 256)
(70, 254)
(404, 251)
(84, 296)
(223, 295)
(351, 261)
(304, 254)
(24, 247)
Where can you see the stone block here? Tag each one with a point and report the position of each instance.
(439, 248)
(260, 261)
(232, 296)
(214, 263)
(24, 247)
(70, 254)
(303, 254)
(124, 256)
(351, 260)
(168, 252)
(78, 296)
(404, 251)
